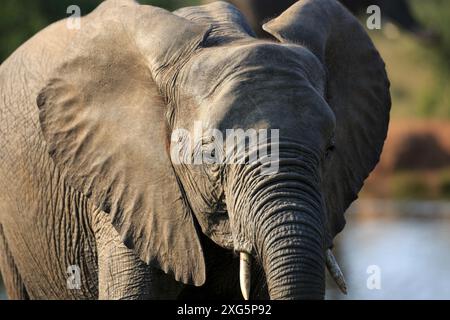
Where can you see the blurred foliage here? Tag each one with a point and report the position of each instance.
(409, 185)
(419, 185)
(444, 185)
(21, 19)
(435, 14)
(419, 71)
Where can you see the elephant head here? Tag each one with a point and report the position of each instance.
(136, 75)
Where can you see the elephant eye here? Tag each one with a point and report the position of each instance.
(330, 149)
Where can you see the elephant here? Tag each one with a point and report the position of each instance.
(96, 172)
(397, 11)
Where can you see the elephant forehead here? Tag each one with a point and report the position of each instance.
(258, 64)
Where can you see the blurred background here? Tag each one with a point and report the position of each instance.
(396, 243)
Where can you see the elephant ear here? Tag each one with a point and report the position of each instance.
(103, 116)
(357, 91)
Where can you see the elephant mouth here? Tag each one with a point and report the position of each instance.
(245, 276)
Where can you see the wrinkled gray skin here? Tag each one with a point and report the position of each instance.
(86, 176)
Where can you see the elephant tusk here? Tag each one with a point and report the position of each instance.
(244, 274)
(335, 271)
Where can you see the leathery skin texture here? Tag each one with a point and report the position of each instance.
(92, 203)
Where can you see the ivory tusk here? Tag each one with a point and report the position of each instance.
(335, 271)
(244, 274)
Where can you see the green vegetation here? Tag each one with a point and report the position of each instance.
(420, 185)
(410, 185)
(436, 15)
(419, 71)
(444, 185)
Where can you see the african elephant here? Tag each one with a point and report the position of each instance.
(88, 174)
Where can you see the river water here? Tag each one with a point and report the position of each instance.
(393, 250)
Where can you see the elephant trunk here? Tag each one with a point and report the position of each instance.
(292, 255)
(283, 216)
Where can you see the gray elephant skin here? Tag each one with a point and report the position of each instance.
(86, 173)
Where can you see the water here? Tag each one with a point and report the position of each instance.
(410, 251)
(408, 242)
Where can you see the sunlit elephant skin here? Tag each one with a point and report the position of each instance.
(87, 176)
